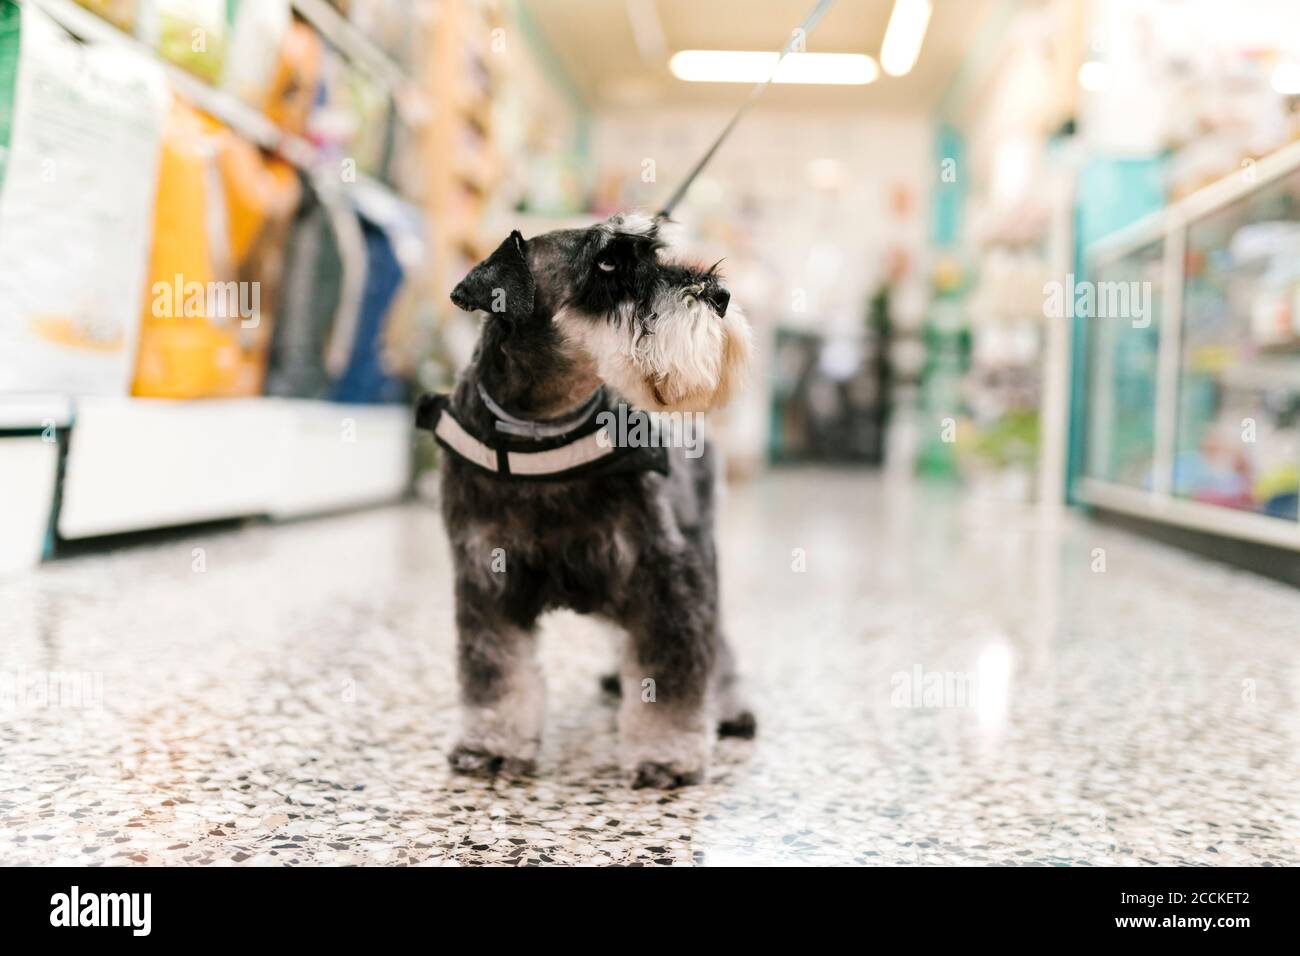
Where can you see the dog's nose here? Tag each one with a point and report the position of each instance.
(460, 299)
(718, 298)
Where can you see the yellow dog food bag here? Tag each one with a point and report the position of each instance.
(221, 212)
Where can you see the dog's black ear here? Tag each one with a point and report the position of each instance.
(502, 284)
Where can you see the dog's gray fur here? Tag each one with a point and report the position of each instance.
(567, 311)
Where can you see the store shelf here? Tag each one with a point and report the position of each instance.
(352, 43)
(33, 412)
(134, 464)
(228, 108)
(463, 131)
(216, 102)
(341, 456)
(1176, 215)
(1153, 506)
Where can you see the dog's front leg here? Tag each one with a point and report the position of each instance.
(665, 719)
(502, 692)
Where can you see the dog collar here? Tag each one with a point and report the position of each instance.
(526, 428)
(578, 446)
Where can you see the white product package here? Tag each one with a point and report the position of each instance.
(76, 211)
(258, 33)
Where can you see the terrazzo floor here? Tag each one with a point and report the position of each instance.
(937, 681)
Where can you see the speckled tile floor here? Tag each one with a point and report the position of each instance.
(945, 681)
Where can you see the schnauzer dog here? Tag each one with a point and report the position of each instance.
(544, 510)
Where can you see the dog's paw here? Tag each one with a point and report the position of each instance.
(480, 763)
(743, 725)
(660, 776)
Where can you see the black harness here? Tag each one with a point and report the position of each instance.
(580, 445)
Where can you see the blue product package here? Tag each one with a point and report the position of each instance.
(366, 378)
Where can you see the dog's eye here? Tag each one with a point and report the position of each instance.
(606, 266)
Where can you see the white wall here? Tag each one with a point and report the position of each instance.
(757, 204)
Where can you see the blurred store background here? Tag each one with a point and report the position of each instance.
(1042, 251)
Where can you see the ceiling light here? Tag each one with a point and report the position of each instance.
(753, 66)
(904, 36)
(1286, 79)
(1094, 76)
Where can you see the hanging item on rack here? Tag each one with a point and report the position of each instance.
(262, 194)
(190, 33)
(365, 377)
(120, 13)
(392, 25)
(394, 247)
(80, 119)
(184, 351)
(324, 280)
(409, 330)
(221, 213)
(295, 79)
(350, 119)
(258, 32)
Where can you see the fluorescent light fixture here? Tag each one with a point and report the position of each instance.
(1094, 76)
(1286, 78)
(753, 66)
(904, 36)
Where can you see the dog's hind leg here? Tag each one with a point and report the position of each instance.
(502, 692)
(610, 682)
(735, 719)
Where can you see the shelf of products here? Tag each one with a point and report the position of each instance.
(1003, 387)
(206, 260)
(994, 394)
(1194, 418)
(358, 47)
(234, 93)
(1237, 443)
(466, 47)
(996, 362)
(212, 99)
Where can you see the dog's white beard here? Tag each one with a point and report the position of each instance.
(689, 361)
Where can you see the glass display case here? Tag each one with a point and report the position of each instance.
(1239, 362)
(1121, 391)
(1193, 417)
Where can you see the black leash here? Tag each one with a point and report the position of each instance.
(818, 11)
